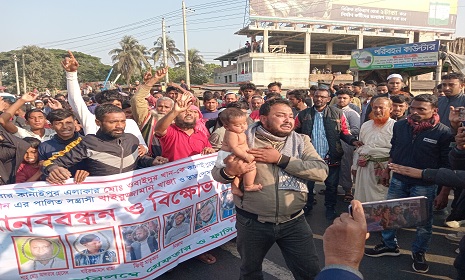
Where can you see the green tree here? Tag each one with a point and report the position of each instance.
(171, 50)
(195, 59)
(130, 59)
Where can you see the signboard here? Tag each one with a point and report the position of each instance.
(423, 54)
(135, 225)
(425, 15)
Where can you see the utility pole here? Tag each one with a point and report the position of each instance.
(18, 93)
(24, 75)
(186, 51)
(165, 55)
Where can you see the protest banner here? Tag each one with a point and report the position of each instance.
(135, 225)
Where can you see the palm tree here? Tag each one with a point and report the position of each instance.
(196, 61)
(130, 58)
(171, 51)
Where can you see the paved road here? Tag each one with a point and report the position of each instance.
(440, 256)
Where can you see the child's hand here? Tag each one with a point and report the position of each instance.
(249, 158)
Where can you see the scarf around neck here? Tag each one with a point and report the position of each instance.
(293, 147)
(423, 125)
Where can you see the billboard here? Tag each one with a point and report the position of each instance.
(426, 15)
(424, 54)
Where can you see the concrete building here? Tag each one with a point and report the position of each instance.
(291, 52)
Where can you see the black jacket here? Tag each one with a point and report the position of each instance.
(12, 150)
(102, 154)
(428, 149)
(335, 125)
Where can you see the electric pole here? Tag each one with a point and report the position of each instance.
(186, 51)
(18, 93)
(24, 75)
(165, 55)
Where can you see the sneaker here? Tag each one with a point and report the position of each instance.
(455, 236)
(452, 224)
(457, 250)
(381, 250)
(419, 262)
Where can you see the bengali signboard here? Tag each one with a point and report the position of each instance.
(135, 225)
(414, 55)
(427, 15)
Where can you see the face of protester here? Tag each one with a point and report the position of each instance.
(280, 120)
(248, 93)
(420, 111)
(36, 120)
(65, 128)
(39, 105)
(163, 107)
(41, 249)
(31, 156)
(94, 245)
(343, 100)
(256, 103)
(187, 119)
(172, 94)
(237, 125)
(381, 111)
(357, 90)
(398, 109)
(451, 87)
(274, 89)
(128, 113)
(179, 219)
(230, 98)
(157, 96)
(141, 234)
(349, 87)
(395, 85)
(320, 99)
(206, 212)
(294, 101)
(211, 105)
(382, 89)
(113, 124)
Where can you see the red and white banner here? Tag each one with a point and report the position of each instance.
(134, 225)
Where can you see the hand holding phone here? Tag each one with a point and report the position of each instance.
(395, 213)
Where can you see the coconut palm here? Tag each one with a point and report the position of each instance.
(130, 58)
(195, 59)
(171, 51)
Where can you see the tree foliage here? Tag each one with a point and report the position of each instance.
(130, 59)
(43, 68)
(171, 50)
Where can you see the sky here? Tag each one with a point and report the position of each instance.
(96, 27)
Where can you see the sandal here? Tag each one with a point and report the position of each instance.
(206, 258)
(348, 197)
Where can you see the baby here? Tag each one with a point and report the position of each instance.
(235, 141)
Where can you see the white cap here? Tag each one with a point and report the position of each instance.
(395, 76)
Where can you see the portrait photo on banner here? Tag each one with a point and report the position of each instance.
(177, 225)
(39, 253)
(227, 207)
(140, 239)
(205, 213)
(93, 248)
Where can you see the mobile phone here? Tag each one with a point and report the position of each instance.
(462, 114)
(395, 213)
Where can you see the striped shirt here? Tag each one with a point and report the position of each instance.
(319, 140)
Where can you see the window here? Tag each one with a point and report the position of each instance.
(258, 66)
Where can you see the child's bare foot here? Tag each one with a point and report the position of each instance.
(253, 188)
(236, 191)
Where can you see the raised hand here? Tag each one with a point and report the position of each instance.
(183, 102)
(70, 63)
(54, 104)
(29, 97)
(151, 80)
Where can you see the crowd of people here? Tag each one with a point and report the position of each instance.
(375, 140)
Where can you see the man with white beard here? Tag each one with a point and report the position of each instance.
(371, 158)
